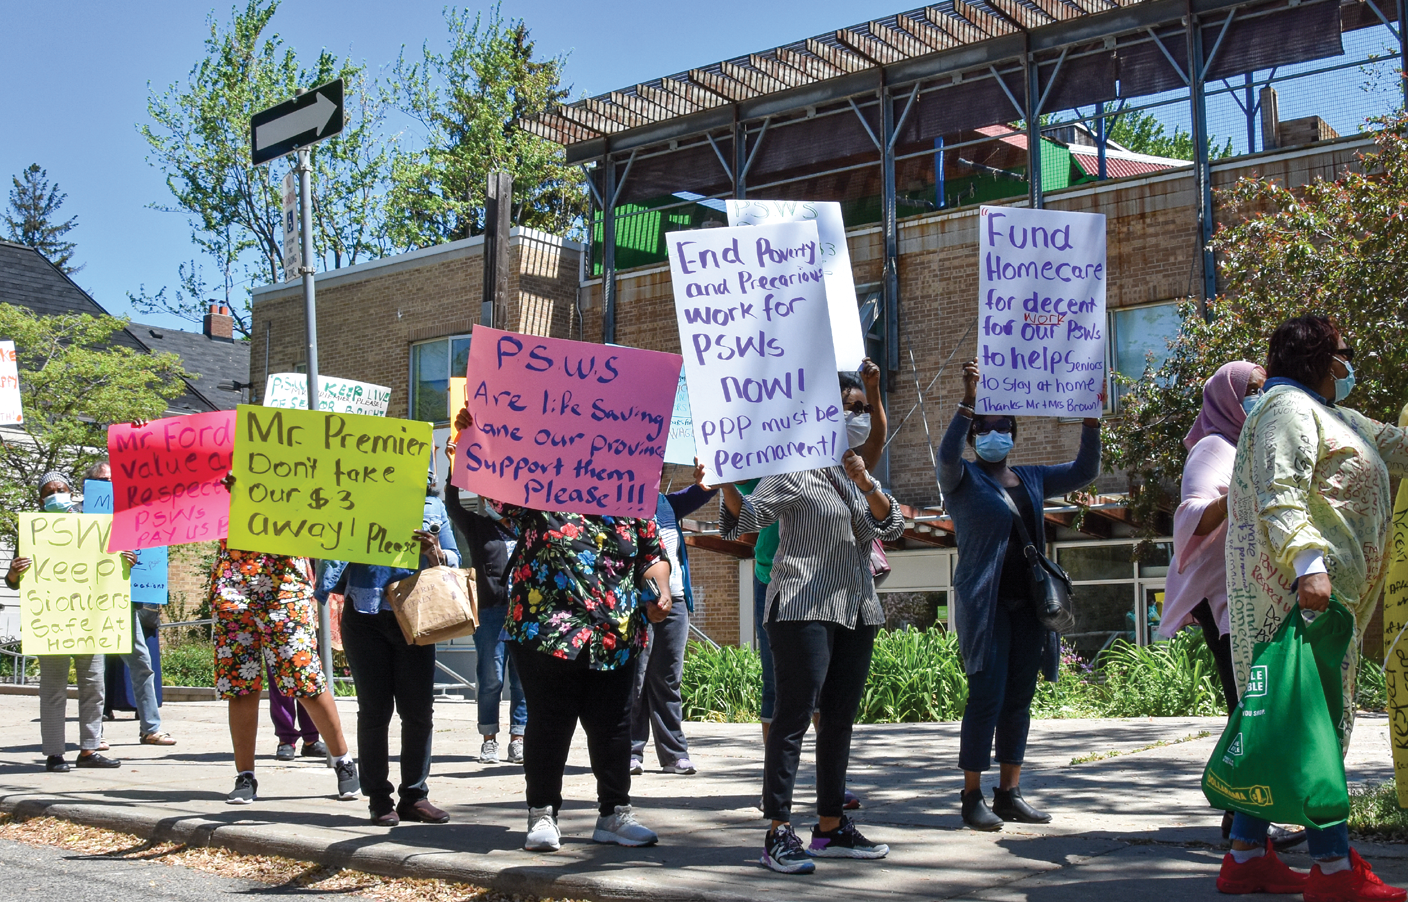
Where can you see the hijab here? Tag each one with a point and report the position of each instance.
(1222, 412)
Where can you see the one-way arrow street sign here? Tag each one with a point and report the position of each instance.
(306, 119)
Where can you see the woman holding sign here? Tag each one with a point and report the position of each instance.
(822, 617)
(582, 589)
(1004, 645)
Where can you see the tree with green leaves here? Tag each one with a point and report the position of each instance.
(469, 101)
(1142, 132)
(74, 382)
(1335, 247)
(33, 217)
(198, 135)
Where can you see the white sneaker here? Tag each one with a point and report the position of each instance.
(515, 750)
(622, 829)
(543, 835)
(489, 752)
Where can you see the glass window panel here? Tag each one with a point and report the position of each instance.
(1104, 612)
(1158, 559)
(916, 610)
(1140, 332)
(430, 383)
(1084, 562)
(459, 356)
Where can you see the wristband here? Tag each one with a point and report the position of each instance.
(968, 407)
(875, 486)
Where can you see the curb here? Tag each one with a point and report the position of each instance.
(387, 860)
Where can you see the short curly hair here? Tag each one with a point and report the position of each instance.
(1303, 348)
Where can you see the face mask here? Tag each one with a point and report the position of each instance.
(57, 503)
(1249, 402)
(1346, 385)
(857, 429)
(993, 446)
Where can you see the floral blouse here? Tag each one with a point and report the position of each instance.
(574, 583)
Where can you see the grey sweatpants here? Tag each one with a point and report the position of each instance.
(655, 704)
(53, 701)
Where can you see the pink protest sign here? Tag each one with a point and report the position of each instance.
(566, 425)
(166, 480)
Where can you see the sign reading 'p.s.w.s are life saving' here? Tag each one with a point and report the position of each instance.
(1041, 309)
(565, 425)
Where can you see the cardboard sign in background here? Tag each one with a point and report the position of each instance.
(148, 579)
(10, 411)
(751, 307)
(336, 486)
(566, 425)
(1041, 312)
(680, 449)
(847, 337)
(1396, 636)
(166, 480)
(290, 391)
(74, 597)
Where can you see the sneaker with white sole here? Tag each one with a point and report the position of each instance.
(844, 842)
(489, 752)
(622, 828)
(245, 792)
(637, 767)
(783, 852)
(349, 786)
(682, 766)
(515, 750)
(543, 835)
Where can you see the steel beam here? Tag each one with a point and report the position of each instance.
(891, 228)
(1202, 169)
(608, 252)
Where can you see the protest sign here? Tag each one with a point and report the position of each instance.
(680, 448)
(166, 480)
(1396, 636)
(10, 412)
(290, 391)
(566, 425)
(74, 597)
(754, 325)
(1041, 309)
(846, 335)
(343, 487)
(149, 573)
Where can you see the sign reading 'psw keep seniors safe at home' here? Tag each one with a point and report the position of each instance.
(74, 598)
(336, 486)
(1041, 312)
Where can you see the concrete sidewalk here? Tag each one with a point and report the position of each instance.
(1132, 826)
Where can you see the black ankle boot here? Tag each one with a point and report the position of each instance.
(1009, 805)
(976, 814)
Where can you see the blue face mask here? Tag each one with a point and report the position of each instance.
(1249, 402)
(58, 503)
(1346, 385)
(993, 446)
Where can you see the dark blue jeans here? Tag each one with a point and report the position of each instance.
(1325, 845)
(1000, 695)
(494, 668)
(760, 604)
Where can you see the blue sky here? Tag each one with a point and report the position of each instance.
(76, 77)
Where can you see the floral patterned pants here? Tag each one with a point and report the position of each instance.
(254, 622)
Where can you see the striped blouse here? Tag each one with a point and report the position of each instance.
(822, 567)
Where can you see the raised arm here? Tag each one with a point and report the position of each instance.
(950, 468)
(1081, 472)
(761, 508)
(874, 444)
(688, 500)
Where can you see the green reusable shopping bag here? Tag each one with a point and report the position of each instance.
(1279, 758)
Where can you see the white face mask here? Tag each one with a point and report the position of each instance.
(857, 429)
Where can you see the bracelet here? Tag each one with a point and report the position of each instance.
(968, 407)
(875, 486)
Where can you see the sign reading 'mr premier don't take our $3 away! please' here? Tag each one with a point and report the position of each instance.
(754, 324)
(337, 486)
(1041, 312)
(566, 425)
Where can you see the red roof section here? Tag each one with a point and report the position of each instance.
(1116, 167)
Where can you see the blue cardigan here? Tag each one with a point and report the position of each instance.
(983, 522)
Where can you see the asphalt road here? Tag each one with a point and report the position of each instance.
(33, 873)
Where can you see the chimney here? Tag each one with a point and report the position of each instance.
(219, 324)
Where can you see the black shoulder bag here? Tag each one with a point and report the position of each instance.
(1050, 587)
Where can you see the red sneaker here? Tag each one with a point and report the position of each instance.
(1267, 874)
(1358, 884)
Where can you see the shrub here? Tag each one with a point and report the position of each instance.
(1370, 686)
(916, 676)
(189, 663)
(722, 684)
(1177, 678)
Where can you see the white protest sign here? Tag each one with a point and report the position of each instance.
(1041, 306)
(755, 331)
(680, 448)
(846, 333)
(290, 390)
(10, 412)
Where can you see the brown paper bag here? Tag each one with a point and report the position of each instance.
(434, 605)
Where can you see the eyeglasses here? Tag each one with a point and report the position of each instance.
(984, 427)
(1345, 353)
(859, 408)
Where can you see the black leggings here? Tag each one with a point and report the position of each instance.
(1221, 648)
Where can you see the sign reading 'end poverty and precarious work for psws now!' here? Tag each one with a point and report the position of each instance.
(756, 334)
(1041, 308)
(166, 480)
(338, 486)
(74, 598)
(566, 425)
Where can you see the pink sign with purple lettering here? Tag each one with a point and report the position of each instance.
(166, 480)
(566, 425)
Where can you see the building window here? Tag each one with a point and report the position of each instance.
(1115, 596)
(1139, 339)
(432, 364)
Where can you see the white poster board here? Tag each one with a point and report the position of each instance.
(290, 390)
(10, 412)
(846, 335)
(680, 449)
(1041, 312)
(755, 332)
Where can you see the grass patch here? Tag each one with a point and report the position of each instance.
(1374, 813)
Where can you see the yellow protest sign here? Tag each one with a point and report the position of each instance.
(338, 486)
(76, 597)
(1396, 636)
